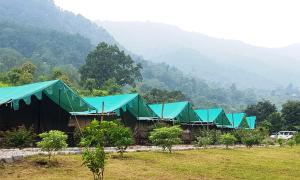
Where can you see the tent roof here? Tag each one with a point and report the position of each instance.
(56, 90)
(213, 115)
(181, 111)
(236, 120)
(113, 103)
(251, 120)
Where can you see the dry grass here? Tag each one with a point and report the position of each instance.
(256, 163)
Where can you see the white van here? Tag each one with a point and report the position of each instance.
(283, 135)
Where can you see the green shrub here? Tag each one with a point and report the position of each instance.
(227, 139)
(213, 134)
(107, 133)
(18, 137)
(291, 142)
(95, 161)
(297, 138)
(166, 137)
(280, 142)
(122, 138)
(53, 140)
(268, 141)
(203, 141)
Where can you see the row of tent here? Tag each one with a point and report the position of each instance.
(52, 104)
(178, 112)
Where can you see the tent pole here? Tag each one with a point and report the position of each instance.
(207, 119)
(102, 112)
(138, 114)
(162, 111)
(39, 116)
(59, 114)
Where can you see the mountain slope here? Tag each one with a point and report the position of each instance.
(44, 14)
(213, 59)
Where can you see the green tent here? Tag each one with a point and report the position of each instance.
(214, 115)
(56, 90)
(238, 120)
(133, 103)
(251, 120)
(177, 111)
(43, 106)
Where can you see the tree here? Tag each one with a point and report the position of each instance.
(53, 140)
(291, 114)
(95, 161)
(108, 133)
(227, 139)
(166, 137)
(123, 138)
(157, 95)
(107, 62)
(276, 122)
(261, 110)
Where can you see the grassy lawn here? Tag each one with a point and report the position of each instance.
(256, 163)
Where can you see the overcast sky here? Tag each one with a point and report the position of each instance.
(269, 23)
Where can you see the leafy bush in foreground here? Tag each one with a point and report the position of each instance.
(52, 141)
(291, 142)
(280, 142)
(18, 137)
(95, 161)
(166, 137)
(227, 139)
(203, 141)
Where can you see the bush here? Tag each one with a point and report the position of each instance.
(52, 141)
(166, 137)
(297, 138)
(18, 137)
(107, 133)
(280, 142)
(268, 141)
(214, 135)
(227, 139)
(95, 161)
(122, 138)
(291, 142)
(203, 141)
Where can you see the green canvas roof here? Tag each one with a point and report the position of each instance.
(179, 111)
(213, 115)
(56, 90)
(134, 103)
(251, 120)
(238, 120)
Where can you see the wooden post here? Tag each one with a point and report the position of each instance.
(162, 110)
(102, 111)
(59, 110)
(207, 119)
(232, 121)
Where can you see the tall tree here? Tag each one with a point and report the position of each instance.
(291, 114)
(158, 95)
(276, 121)
(109, 62)
(261, 110)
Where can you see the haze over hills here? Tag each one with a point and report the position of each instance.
(218, 60)
(45, 14)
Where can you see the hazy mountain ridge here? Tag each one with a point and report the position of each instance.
(228, 61)
(45, 14)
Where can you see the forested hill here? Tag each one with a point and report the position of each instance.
(49, 47)
(38, 31)
(44, 14)
(219, 60)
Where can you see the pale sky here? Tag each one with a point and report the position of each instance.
(268, 23)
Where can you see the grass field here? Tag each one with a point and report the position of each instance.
(256, 163)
